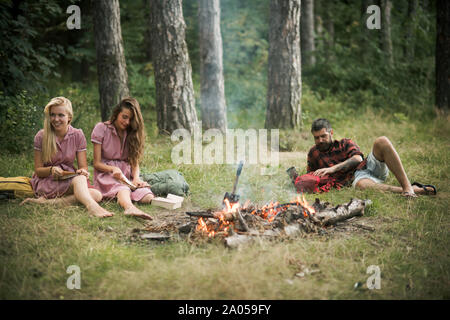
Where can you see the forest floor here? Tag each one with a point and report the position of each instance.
(409, 244)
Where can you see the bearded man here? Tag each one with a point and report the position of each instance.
(344, 161)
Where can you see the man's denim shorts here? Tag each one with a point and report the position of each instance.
(375, 170)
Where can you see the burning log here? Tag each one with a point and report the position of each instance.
(342, 212)
(239, 226)
(187, 227)
(242, 221)
(202, 214)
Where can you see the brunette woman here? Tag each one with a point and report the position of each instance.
(118, 149)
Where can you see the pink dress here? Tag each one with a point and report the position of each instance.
(114, 153)
(73, 142)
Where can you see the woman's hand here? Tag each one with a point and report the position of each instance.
(83, 172)
(117, 173)
(139, 183)
(56, 172)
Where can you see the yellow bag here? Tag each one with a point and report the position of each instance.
(15, 187)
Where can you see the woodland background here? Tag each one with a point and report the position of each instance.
(392, 81)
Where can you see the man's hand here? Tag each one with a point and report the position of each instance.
(324, 171)
(344, 166)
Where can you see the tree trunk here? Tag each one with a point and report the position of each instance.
(330, 32)
(285, 86)
(443, 55)
(386, 42)
(111, 66)
(211, 68)
(365, 33)
(175, 104)
(147, 35)
(318, 23)
(307, 33)
(410, 27)
(328, 9)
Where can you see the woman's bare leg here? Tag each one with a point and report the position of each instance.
(60, 202)
(84, 195)
(147, 199)
(124, 199)
(68, 200)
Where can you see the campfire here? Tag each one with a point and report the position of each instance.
(231, 218)
(237, 224)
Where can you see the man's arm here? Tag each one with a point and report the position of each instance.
(311, 162)
(346, 165)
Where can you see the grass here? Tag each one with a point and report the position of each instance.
(410, 244)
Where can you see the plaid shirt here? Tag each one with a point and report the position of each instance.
(338, 152)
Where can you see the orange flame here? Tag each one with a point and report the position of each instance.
(268, 212)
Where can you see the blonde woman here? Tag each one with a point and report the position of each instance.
(55, 149)
(118, 148)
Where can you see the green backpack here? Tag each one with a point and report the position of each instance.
(165, 182)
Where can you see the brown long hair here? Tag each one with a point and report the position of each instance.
(49, 137)
(135, 131)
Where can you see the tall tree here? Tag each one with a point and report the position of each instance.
(443, 55)
(307, 33)
(175, 104)
(329, 26)
(147, 34)
(111, 66)
(211, 67)
(284, 85)
(324, 11)
(365, 32)
(318, 22)
(410, 26)
(386, 40)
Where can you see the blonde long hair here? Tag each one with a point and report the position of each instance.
(49, 139)
(135, 131)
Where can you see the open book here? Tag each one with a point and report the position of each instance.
(170, 202)
(66, 175)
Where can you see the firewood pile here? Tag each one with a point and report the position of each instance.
(236, 225)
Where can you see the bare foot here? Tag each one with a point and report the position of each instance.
(133, 211)
(99, 212)
(40, 200)
(420, 190)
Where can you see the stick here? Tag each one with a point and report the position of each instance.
(200, 214)
(341, 212)
(241, 220)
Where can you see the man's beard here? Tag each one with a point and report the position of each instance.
(324, 146)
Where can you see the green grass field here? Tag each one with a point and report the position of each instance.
(410, 242)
